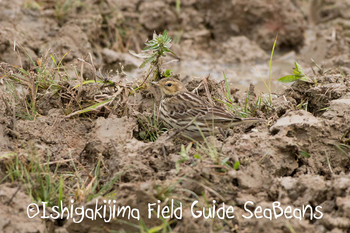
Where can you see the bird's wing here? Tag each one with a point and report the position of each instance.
(183, 108)
(219, 115)
(206, 111)
(187, 106)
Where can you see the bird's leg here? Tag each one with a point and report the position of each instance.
(223, 133)
(165, 152)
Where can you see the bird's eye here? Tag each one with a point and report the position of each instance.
(169, 84)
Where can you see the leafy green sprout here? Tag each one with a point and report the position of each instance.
(166, 73)
(304, 154)
(156, 48)
(298, 74)
(236, 165)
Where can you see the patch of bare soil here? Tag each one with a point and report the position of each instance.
(52, 143)
(14, 202)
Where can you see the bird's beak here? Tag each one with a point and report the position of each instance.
(154, 83)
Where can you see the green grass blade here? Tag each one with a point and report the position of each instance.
(60, 193)
(53, 59)
(91, 108)
(228, 91)
(93, 81)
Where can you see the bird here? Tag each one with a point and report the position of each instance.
(191, 114)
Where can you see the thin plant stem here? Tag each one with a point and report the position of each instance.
(269, 87)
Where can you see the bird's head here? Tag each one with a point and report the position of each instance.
(170, 86)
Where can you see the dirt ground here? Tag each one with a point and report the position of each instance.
(299, 156)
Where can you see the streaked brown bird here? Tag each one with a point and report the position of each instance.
(183, 110)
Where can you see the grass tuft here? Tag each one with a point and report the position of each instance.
(150, 128)
(156, 48)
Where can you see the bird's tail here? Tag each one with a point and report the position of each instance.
(246, 121)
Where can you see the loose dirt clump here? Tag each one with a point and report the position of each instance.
(316, 98)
